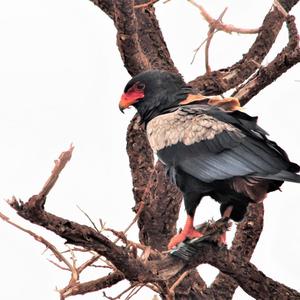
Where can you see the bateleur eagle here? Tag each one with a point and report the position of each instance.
(208, 146)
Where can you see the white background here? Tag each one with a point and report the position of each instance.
(61, 77)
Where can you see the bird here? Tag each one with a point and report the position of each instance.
(208, 145)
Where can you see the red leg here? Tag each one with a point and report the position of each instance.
(188, 232)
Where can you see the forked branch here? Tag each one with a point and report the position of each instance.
(158, 271)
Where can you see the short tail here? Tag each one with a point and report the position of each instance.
(283, 176)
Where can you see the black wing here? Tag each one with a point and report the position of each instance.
(240, 150)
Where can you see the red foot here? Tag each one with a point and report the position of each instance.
(180, 237)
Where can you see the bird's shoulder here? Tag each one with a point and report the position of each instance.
(189, 124)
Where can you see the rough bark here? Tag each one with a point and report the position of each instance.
(142, 47)
(96, 285)
(164, 267)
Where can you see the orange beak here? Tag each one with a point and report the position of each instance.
(125, 102)
(129, 98)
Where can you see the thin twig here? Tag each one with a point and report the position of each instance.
(75, 273)
(103, 267)
(220, 25)
(60, 163)
(89, 218)
(177, 282)
(122, 293)
(215, 25)
(154, 287)
(210, 34)
(141, 205)
(197, 50)
(144, 5)
(127, 242)
(140, 209)
(88, 263)
(76, 249)
(134, 291)
(58, 265)
(280, 8)
(40, 239)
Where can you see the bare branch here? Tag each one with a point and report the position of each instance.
(247, 235)
(40, 239)
(106, 6)
(219, 25)
(288, 57)
(210, 34)
(156, 271)
(176, 283)
(89, 218)
(88, 263)
(94, 285)
(60, 163)
(217, 82)
(144, 5)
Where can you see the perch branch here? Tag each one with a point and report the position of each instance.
(156, 271)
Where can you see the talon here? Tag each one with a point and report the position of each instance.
(188, 232)
(179, 238)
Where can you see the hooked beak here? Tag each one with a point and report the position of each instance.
(124, 103)
(129, 98)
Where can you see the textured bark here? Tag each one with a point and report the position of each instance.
(106, 6)
(165, 267)
(95, 285)
(142, 51)
(142, 47)
(139, 39)
(243, 245)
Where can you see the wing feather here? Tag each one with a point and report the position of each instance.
(239, 148)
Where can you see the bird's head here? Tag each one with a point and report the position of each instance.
(153, 91)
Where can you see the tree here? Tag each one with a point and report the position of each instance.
(141, 51)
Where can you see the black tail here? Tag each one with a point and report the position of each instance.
(283, 176)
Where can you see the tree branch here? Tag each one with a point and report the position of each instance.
(247, 235)
(248, 277)
(158, 271)
(94, 285)
(139, 39)
(217, 82)
(73, 232)
(287, 58)
(106, 6)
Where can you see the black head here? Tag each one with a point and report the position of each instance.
(153, 91)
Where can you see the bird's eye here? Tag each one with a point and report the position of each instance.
(140, 86)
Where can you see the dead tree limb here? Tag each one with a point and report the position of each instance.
(157, 271)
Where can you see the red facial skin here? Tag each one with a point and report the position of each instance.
(135, 93)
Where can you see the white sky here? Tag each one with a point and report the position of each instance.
(61, 77)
